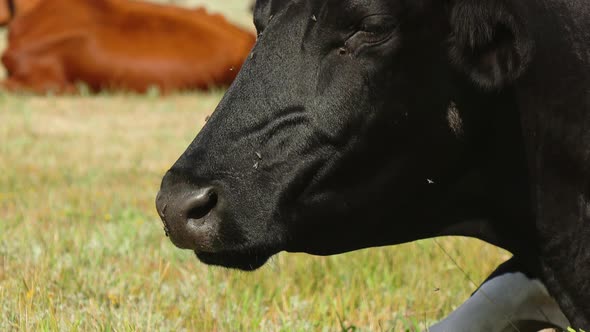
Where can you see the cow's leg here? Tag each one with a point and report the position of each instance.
(564, 228)
(15, 85)
(11, 85)
(34, 73)
(509, 300)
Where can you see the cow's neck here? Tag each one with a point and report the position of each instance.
(491, 201)
(556, 122)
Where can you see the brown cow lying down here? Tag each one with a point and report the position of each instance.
(121, 44)
(11, 8)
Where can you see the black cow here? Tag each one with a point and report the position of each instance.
(361, 123)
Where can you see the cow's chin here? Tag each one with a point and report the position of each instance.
(235, 260)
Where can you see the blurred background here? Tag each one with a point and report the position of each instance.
(82, 248)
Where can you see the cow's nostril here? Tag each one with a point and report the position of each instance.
(199, 205)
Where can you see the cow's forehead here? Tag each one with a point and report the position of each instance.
(341, 5)
(335, 13)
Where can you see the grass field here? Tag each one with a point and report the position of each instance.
(82, 248)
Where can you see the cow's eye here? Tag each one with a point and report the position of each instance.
(375, 28)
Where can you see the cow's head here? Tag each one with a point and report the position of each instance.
(10, 8)
(351, 125)
(6, 11)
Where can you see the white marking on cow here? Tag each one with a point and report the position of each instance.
(454, 119)
(313, 18)
(500, 303)
(430, 181)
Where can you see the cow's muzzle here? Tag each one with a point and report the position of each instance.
(188, 214)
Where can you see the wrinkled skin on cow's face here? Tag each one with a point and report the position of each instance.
(337, 135)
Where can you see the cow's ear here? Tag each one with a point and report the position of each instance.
(489, 41)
